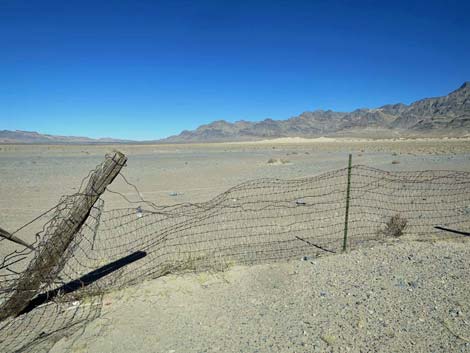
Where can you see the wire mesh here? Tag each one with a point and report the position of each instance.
(258, 221)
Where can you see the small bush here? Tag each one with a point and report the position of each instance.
(395, 226)
(395, 162)
(278, 161)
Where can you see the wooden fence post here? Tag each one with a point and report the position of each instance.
(49, 261)
(4, 234)
(346, 215)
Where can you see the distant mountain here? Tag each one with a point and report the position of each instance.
(448, 115)
(18, 136)
(441, 116)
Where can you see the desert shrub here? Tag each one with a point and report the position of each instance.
(278, 161)
(395, 226)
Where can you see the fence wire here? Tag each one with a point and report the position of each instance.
(258, 221)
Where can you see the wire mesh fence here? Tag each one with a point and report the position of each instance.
(258, 221)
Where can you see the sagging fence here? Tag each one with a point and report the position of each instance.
(83, 250)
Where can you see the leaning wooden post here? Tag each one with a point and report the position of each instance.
(4, 234)
(346, 214)
(44, 268)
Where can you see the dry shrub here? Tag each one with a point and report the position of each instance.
(395, 226)
(278, 161)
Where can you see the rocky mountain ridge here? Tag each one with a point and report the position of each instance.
(446, 115)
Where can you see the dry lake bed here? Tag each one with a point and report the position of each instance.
(401, 296)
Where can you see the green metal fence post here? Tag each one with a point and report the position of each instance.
(346, 215)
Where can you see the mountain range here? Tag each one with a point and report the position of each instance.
(18, 136)
(447, 115)
(442, 116)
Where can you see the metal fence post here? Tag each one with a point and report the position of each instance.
(346, 215)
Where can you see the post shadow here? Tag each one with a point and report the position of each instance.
(453, 231)
(83, 281)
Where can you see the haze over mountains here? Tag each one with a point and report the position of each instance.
(18, 136)
(442, 116)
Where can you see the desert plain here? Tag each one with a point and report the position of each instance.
(400, 296)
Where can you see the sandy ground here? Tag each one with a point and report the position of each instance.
(410, 297)
(404, 297)
(33, 178)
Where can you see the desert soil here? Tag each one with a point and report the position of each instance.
(403, 296)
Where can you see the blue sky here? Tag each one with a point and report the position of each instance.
(148, 69)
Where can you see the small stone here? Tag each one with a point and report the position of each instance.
(328, 339)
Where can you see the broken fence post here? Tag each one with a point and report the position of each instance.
(47, 264)
(6, 235)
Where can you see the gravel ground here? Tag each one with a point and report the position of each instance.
(33, 178)
(400, 297)
(397, 297)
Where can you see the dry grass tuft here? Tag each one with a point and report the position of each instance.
(278, 161)
(395, 226)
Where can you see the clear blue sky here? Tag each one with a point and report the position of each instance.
(147, 69)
